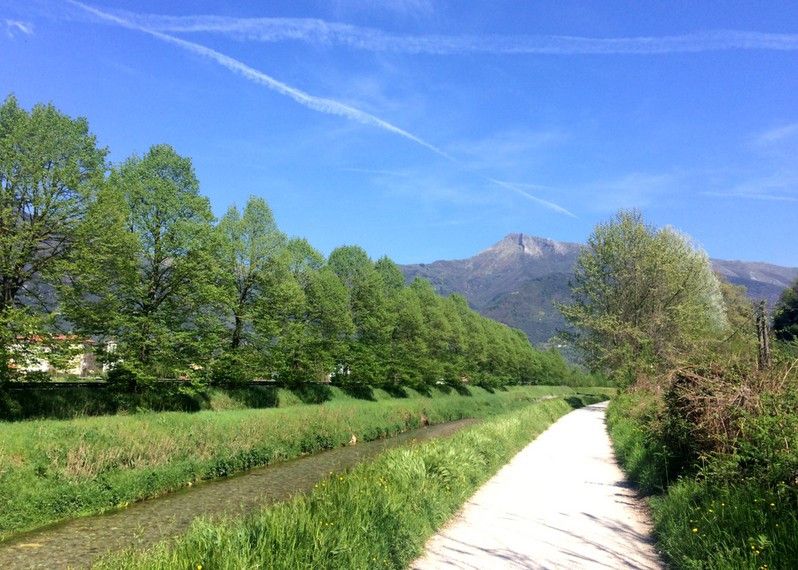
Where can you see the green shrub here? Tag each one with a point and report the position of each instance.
(125, 379)
(231, 369)
(10, 408)
(37, 376)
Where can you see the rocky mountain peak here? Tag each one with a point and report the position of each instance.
(519, 243)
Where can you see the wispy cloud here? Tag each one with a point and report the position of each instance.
(320, 104)
(441, 186)
(413, 8)
(777, 134)
(633, 190)
(429, 187)
(323, 32)
(512, 148)
(377, 171)
(780, 186)
(753, 196)
(14, 27)
(515, 152)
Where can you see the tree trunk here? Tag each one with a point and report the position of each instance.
(237, 331)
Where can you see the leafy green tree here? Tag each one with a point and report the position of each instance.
(476, 342)
(286, 320)
(50, 168)
(553, 368)
(408, 352)
(154, 281)
(499, 361)
(437, 332)
(455, 341)
(313, 323)
(642, 296)
(103, 248)
(519, 361)
(249, 251)
(392, 276)
(741, 338)
(351, 263)
(328, 321)
(286, 323)
(301, 258)
(370, 311)
(785, 314)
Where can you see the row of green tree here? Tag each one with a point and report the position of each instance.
(132, 257)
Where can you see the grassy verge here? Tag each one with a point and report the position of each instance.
(54, 470)
(62, 401)
(702, 521)
(641, 453)
(379, 515)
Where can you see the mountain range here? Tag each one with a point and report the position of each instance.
(518, 280)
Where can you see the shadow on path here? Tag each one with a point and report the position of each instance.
(562, 502)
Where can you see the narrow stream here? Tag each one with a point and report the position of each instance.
(77, 543)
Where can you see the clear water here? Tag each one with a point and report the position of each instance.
(76, 543)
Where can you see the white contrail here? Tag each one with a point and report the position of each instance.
(320, 104)
(13, 26)
(515, 188)
(318, 31)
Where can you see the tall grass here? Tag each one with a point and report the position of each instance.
(704, 525)
(379, 515)
(53, 470)
(631, 419)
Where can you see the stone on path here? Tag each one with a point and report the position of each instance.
(562, 502)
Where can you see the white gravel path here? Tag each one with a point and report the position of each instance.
(562, 502)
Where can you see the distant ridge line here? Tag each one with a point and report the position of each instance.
(518, 279)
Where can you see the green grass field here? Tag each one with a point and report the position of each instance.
(52, 470)
(379, 515)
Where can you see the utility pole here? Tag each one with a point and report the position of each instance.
(763, 336)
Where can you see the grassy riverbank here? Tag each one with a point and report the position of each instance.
(730, 511)
(65, 401)
(54, 470)
(379, 515)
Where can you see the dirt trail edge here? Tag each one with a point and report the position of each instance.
(562, 502)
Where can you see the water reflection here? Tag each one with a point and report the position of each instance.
(77, 543)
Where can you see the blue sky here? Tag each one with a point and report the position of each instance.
(427, 130)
